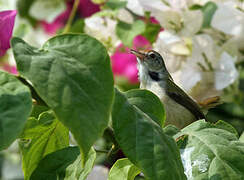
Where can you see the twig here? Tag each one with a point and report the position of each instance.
(71, 16)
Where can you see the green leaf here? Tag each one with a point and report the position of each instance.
(123, 169)
(126, 32)
(76, 169)
(242, 137)
(115, 4)
(212, 152)
(151, 32)
(144, 143)
(78, 26)
(226, 126)
(40, 137)
(171, 130)
(72, 74)
(195, 7)
(208, 11)
(23, 7)
(37, 110)
(147, 102)
(15, 108)
(64, 164)
(53, 165)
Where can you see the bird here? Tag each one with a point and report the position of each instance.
(181, 110)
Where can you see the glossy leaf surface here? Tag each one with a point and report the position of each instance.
(15, 108)
(40, 137)
(72, 74)
(142, 140)
(123, 169)
(211, 151)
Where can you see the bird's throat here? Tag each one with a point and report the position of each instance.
(154, 75)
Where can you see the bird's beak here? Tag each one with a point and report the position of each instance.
(138, 54)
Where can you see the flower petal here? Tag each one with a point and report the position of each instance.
(226, 73)
(7, 19)
(228, 19)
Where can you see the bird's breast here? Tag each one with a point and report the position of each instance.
(176, 114)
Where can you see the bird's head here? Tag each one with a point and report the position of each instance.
(151, 63)
(152, 60)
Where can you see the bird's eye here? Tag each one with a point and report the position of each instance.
(152, 55)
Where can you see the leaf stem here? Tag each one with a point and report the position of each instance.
(71, 17)
(34, 94)
(101, 151)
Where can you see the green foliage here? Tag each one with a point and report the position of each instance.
(64, 164)
(126, 32)
(71, 81)
(23, 7)
(195, 7)
(78, 26)
(242, 137)
(171, 130)
(214, 151)
(144, 143)
(53, 165)
(151, 32)
(72, 75)
(77, 171)
(208, 11)
(123, 169)
(40, 137)
(15, 108)
(149, 103)
(115, 4)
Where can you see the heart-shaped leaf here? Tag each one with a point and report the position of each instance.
(211, 151)
(142, 140)
(40, 137)
(72, 74)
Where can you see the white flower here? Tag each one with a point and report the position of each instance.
(225, 71)
(102, 28)
(46, 10)
(125, 16)
(7, 5)
(173, 48)
(228, 19)
(208, 70)
(36, 37)
(192, 22)
(135, 7)
(168, 17)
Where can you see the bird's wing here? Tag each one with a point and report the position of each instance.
(178, 95)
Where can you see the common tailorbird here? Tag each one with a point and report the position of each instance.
(180, 109)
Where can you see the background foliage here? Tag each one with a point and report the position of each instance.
(70, 98)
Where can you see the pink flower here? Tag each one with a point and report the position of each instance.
(7, 19)
(59, 21)
(10, 69)
(86, 8)
(124, 63)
